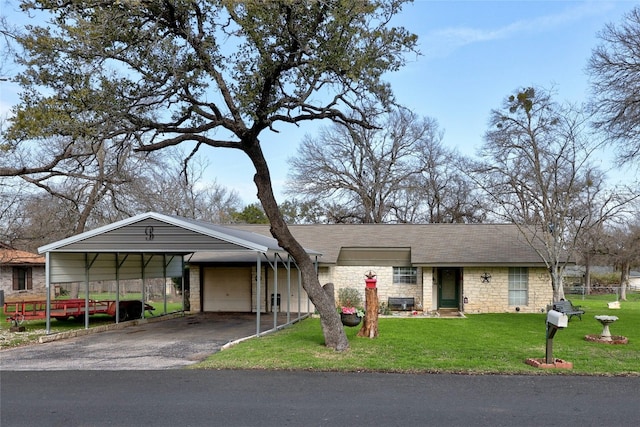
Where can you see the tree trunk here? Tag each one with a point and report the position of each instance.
(75, 290)
(556, 284)
(370, 325)
(624, 280)
(334, 335)
(587, 276)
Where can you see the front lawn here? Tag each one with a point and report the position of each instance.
(481, 344)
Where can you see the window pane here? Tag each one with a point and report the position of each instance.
(405, 275)
(19, 279)
(518, 285)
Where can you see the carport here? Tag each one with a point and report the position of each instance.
(153, 245)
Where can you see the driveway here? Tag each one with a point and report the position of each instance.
(167, 344)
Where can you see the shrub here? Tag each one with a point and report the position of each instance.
(349, 297)
(605, 279)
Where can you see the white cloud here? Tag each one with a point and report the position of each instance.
(442, 42)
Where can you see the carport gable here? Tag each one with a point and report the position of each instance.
(161, 241)
(153, 232)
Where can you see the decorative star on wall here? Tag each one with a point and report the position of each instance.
(486, 277)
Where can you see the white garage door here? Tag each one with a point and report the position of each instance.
(227, 289)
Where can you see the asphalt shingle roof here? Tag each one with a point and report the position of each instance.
(431, 244)
(8, 255)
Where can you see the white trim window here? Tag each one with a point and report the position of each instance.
(405, 275)
(518, 286)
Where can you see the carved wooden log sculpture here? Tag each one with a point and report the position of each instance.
(370, 325)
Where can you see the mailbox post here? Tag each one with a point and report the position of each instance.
(555, 321)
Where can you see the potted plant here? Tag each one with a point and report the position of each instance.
(350, 306)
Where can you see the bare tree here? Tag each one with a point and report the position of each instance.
(52, 206)
(396, 172)
(537, 169)
(441, 192)
(622, 247)
(211, 73)
(615, 70)
(12, 194)
(174, 186)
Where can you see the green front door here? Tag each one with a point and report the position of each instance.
(448, 288)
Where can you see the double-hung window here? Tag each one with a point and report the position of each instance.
(22, 278)
(518, 286)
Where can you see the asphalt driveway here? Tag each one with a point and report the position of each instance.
(167, 344)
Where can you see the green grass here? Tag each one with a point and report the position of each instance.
(481, 344)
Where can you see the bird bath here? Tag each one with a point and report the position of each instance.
(606, 321)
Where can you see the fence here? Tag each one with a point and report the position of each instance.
(154, 288)
(613, 290)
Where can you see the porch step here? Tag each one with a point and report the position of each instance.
(449, 312)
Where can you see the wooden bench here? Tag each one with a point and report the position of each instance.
(401, 303)
(566, 307)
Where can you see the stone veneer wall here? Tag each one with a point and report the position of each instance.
(493, 297)
(353, 277)
(194, 288)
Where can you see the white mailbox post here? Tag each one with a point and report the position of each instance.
(555, 321)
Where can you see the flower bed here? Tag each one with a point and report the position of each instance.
(542, 364)
(613, 339)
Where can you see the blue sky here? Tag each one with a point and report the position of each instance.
(474, 53)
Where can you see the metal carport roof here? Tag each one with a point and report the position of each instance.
(146, 246)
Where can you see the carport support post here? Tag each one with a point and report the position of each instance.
(300, 294)
(86, 289)
(181, 287)
(117, 303)
(258, 280)
(288, 288)
(144, 280)
(47, 278)
(275, 292)
(164, 284)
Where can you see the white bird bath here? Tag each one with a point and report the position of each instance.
(606, 321)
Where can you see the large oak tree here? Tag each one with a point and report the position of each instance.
(209, 73)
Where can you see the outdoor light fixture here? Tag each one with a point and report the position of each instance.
(486, 277)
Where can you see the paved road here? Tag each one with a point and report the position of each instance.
(185, 397)
(166, 344)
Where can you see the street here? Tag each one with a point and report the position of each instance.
(187, 397)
